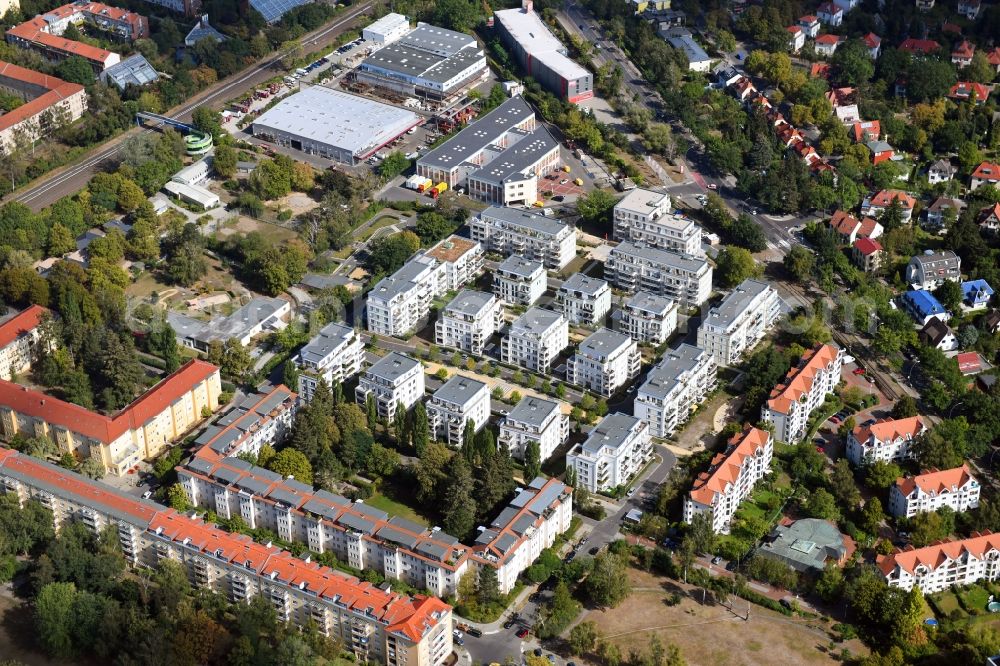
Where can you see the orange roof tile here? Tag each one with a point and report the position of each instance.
(987, 171)
(844, 223)
(935, 481)
(964, 50)
(23, 322)
(886, 430)
(884, 198)
(725, 469)
(934, 556)
(799, 379)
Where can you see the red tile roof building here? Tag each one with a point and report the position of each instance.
(43, 96)
(730, 478)
(964, 90)
(954, 488)
(867, 254)
(803, 390)
(18, 336)
(962, 55)
(942, 565)
(887, 440)
(866, 130)
(876, 205)
(919, 46)
(986, 173)
(374, 624)
(44, 32)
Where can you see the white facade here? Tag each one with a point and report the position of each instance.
(468, 321)
(887, 440)
(674, 388)
(739, 322)
(333, 355)
(930, 270)
(534, 420)
(398, 303)
(646, 317)
(462, 260)
(394, 380)
(510, 231)
(535, 339)
(954, 488)
(604, 362)
(519, 281)
(386, 30)
(459, 400)
(19, 335)
(685, 279)
(584, 300)
(804, 389)
(941, 566)
(646, 217)
(612, 454)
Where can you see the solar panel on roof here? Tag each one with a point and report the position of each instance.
(199, 465)
(432, 550)
(272, 10)
(405, 524)
(255, 486)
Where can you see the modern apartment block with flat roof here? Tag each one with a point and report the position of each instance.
(459, 400)
(604, 362)
(535, 339)
(612, 454)
(683, 278)
(516, 231)
(399, 303)
(646, 317)
(674, 388)
(534, 420)
(519, 281)
(395, 380)
(462, 260)
(644, 216)
(469, 321)
(740, 321)
(332, 355)
(584, 300)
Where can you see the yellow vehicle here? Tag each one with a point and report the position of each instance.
(442, 187)
(566, 168)
(539, 204)
(579, 181)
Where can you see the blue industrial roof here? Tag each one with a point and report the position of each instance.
(924, 303)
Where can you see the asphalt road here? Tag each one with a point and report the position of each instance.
(71, 179)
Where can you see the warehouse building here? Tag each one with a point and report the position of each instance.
(387, 29)
(428, 62)
(333, 124)
(541, 55)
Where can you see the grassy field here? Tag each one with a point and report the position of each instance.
(394, 508)
(947, 602)
(975, 597)
(710, 634)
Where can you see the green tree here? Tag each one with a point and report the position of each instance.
(54, 618)
(872, 516)
(584, 638)
(208, 121)
(608, 584)
(949, 294)
(532, 461)
(830, 585)
(224, 161)
(882, 474)
(76, 69)
(290, 462)
(394, 164)
(430, 473)
(821, 504)
(177, 498)
(60, 240)
(852, 65)
(459, 507)
(236, 360)
(800, 263)
(487, 586)
(596, 205)
(734, 265)
(421, 429)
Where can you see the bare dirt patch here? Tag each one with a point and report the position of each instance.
(297, 202)
(709, 634)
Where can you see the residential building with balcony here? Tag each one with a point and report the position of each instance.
(515, 231)
(646, 317)
(929, 491)
(646, 217)
(888, 440)
(534, 420)
(604, 362)
(18, 337)
(458, 401)
(262, 417)
(674, 388)
(930, 270)
(584, 300)
(399, 303)
(519, 281)
(803, 389)
(469, 321)
(739, 322)
(461, 258)
(731, 478)
(944, 564)
(685, 279)
(615, 451)
(395, 380)
(535, 339)
(333, 355)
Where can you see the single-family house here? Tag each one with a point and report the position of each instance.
(881, 151)
(964, 91)
(830, 14)
(976, 294)
(826, 45)
(991, 322)
(796, 38)
(819, 70)
(962, 55)
(938, 209)
(866, 130)
(989, 218)
(868, 254)
(970, 363)
(969, 8)
(848, 228)
(847, 5)
(930, 269)
(993, 57)
(876, 204)
(940, 171)
(937, 334)
(919, 47)
(923, 306)
(986, 173)
(810, 25)
(874, 45)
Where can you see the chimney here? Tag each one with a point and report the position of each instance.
(528, 6)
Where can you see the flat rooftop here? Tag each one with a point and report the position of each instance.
(536, 223)
(643, 201)
(392, 366)
(459, 390)
(602, 343)
(337, 119)
(329, 338)
(667, 377)
(736, 303)
(520, 267)
(533, 411)
(519, 158)
(533, 35)
(479, 134)
(584, 284)
(614, 430)
(469, 303)
(646, 301)
(536, 321)
(403, 59)
(451, 249)
(661, 257)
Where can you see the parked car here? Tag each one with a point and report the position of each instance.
(475, 633)
(835, 419)
(508, 624)
(522, 633)
(859, 371)
(713, 186)
(717, 559)
(538, 652)
(868, 423)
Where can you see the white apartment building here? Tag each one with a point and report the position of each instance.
(332, 355)
(683, 278)
(604, 362)
(584, 300)
(399, 302)
(459, 400)
(731, 478)
(943, 565)
(931, 269)
(646, 317)
(646, 217)
(612, 454)
(462, 260)
(516, 231)
(534, 420)
(739, 322)
(519, 281)
(535, 339)
(674, 388)
(887, 440)
(259, 418)
(18, 336)
(804, 389)
(468, 321)
(954, 488)
(529, 525)
(394, 380)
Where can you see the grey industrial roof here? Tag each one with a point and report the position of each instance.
(536, 321)
(533, 411)
(666, 376)
(134, 70)
(329, 338)
(479, 134)
(805, 544)
(531, 33)
(236, 325)
(392, 366)
(603, 342)
(518, 158)
(407, 60)
(691, 49)
(584, 284)
(402, 281)
(336, 118)
(431, 38)
(521, 266)
(469, 302)
(459, 390)
(535, 222)
(733, 305)
(649, 302)
(613, 430)
(661, 257)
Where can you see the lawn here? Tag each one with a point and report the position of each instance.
(947, 602)
(975, 597)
